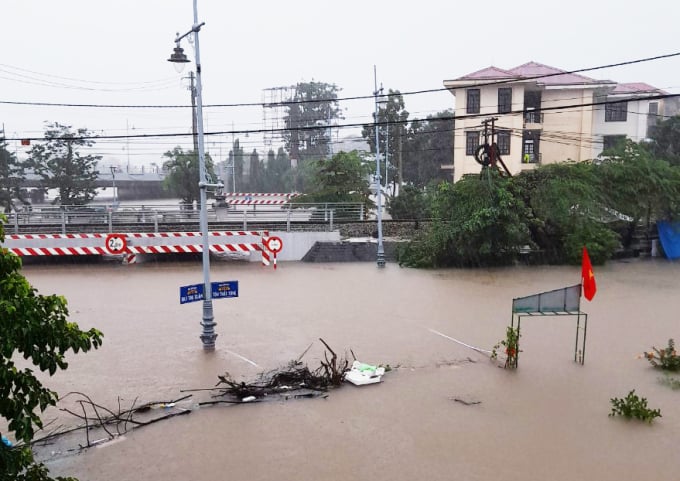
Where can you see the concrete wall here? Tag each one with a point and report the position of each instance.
(297, 244)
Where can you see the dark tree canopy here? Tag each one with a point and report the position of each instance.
(11, 176)
(555, 209)
(183, 174)
(428, 146)
(344, 178)
(313, 109)
(58, 161)
(392, 131)
(237, 166)
(665, 140)
(277, 172)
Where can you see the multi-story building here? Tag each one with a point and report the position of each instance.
(545, 115)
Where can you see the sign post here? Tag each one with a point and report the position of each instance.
(195, 292)
(274, 245)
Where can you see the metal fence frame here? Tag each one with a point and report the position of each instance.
(155, 218)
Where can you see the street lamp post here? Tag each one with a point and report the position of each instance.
(381, 250)
(178, 57)
(113, 182)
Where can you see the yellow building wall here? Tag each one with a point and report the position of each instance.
(567, 133)
(464, 164)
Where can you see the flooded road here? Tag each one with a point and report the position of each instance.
(547, 420)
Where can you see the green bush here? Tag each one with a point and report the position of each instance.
(600, 240)
(666, 359)
(633, 406)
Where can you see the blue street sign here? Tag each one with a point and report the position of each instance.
(190, 293)
(224, 289)
(218, 290)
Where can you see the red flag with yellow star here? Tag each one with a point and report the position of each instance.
(587, 276)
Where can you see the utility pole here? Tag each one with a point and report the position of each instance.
(330, 133)
(380, 259)
(400, 162)
(387, 149)
(194, 130)
(127, 142)
(233, 159)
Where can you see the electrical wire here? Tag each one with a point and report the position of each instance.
(360, 97)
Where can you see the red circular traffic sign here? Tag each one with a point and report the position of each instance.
(116, 244)
(274, 244)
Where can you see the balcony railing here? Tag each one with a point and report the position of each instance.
(533, 117)
(533, 158)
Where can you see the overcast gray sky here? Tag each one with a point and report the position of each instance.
(103, 52)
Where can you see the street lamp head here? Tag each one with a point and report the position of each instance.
(178, 58)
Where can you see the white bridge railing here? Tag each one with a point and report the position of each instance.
(156, 218)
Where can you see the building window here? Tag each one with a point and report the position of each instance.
(503, 137)
(473, 101)
(616, 112)
(611, 141)
(504, 100)
(471, 142)
(653, 108)
(530, 143)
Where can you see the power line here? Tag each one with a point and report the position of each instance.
(338, 99)
(354, 125)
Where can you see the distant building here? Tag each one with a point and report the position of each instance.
(348, 144)
(632, 116)
(556, 117)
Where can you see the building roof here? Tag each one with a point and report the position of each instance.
(546, 74)
(551, 75)
(489, 73)
(636, 88)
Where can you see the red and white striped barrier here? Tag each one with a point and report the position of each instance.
(53, 236)
(133, 243)
(57, 251)
(260, 194)
(257, 202)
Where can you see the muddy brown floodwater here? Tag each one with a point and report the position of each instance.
(546, 421)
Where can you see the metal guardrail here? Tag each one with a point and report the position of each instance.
(164, 218)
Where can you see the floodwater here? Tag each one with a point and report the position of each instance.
(546, 421)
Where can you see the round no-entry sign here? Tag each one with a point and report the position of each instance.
(274, 244)
(116, 244)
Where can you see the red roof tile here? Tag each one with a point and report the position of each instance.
(488, 73)
(555, 76)
(636, 88)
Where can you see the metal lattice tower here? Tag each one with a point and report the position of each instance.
(273, 112)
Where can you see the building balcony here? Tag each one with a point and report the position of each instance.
(531, 159)
(534, 117)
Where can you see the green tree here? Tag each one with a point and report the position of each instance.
(61, 166)
(428, 146)
(665, 140)
(412, 203)
(35, 327)
(183, 177)
(256, 174)
(392, 120)
(277, 172)
(312, 109)
(11, 176)
(237, 161)
(639, 186)
(566, 208)
(344, 178)
(476, 222)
